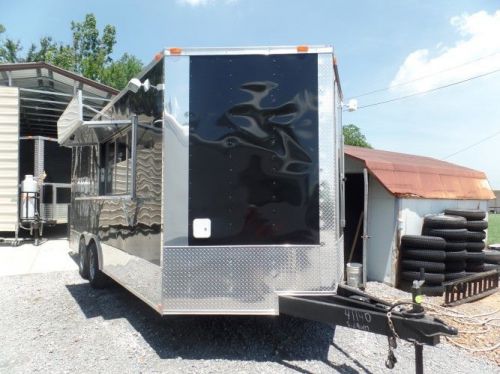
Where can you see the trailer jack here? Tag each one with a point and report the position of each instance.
(352, 308)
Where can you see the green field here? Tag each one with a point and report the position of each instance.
(493, 228)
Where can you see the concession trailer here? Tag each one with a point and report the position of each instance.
(213, 184)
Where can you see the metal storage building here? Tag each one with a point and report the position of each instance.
(32, 98)
(387, 196)
(494, 205)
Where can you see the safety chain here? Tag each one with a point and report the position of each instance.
(392, 343)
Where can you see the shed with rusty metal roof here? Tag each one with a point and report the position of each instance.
(388, 194)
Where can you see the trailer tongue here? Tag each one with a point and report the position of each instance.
(352, 308)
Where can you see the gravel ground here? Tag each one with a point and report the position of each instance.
(54, 322)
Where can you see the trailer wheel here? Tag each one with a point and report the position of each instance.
(477, 225)
(475, 267)
(445, 222)
(422, 242)
(455, 266)
(456, 256)
(454, 276)
(475, 257)
(424, 254)
(456, 246)
(468, 214)
(475, 246)
(488, 267)
(492, 257)
(97, 278)
(433, 290)
(83, 259)
(433, 267)
(476, 236)
(428, 277)
(448, 234)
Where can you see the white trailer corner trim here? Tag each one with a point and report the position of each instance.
(9, 146)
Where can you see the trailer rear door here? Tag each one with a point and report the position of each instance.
(253, 149)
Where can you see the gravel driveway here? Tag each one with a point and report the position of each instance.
(54, 322)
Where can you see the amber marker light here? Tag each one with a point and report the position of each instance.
(175, 51)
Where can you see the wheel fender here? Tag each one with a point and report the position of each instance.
(89, 238)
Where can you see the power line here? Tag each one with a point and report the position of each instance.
(424, 76)
(472, 145)
(427, 91)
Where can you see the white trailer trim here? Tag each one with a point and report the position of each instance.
(9, 163)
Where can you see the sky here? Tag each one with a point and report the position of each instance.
(397, 48)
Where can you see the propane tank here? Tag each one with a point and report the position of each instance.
(29, 197)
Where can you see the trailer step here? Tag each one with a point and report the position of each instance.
(470, 288)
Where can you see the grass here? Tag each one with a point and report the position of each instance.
(493, 228)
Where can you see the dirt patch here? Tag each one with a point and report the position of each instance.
(478, 322)
(479, 327)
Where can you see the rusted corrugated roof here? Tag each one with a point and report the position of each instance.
(413, 176)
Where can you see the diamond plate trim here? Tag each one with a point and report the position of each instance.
(238, 279)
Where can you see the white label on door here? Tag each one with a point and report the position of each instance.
(202, 228)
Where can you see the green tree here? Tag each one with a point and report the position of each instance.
(9, 48)
(118, 73)
(89, 54)
(354, 136)
(52, 53)
(92, 51)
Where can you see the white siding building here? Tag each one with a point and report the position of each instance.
(388, 194)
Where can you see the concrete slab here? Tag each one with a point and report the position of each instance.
(52, 255)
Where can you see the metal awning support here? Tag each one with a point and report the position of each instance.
(72, 119)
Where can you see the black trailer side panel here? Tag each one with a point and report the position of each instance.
(253, 149)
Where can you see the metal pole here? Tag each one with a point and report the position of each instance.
(365, 223)
(419, 358)
(133, 156)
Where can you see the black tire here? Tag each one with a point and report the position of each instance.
(424, 254)
(456, 256)
(454, 276)
(468, 214)
(491, 257)
(83, 259)
(97, 278)
(456, 235)
(445, 222)
(431, 267)
(477, 225)
(428, 277)
(476, 236)
(475, 257)
(474, 267)
(456, 246)
(433, 290)
(455, 266)
(488, 267)
(475, 246)
(422, 242)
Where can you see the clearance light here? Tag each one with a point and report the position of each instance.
(175, 51)
(302, 48)
(158, 56)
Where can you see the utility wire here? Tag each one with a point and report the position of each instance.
(424, 76)
(472, 145)
(427, 91)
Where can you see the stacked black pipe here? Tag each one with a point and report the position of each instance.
(476, 226)
(426, 254)
(453, 230)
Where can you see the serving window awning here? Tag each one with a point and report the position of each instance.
(414, 176)
(46, 90)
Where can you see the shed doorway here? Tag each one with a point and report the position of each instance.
(355, 217)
